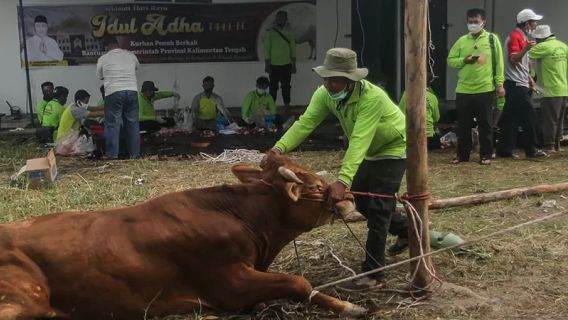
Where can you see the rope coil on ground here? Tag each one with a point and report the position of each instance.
(230, 156)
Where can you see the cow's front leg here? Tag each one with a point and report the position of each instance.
(254, 287)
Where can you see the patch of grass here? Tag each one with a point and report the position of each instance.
(522, 274)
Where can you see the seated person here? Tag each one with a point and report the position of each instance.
(52, 115)
(432, 117)
(206, 106)
(47, 91)
(75, 114)
(258, 104)
(147, 113)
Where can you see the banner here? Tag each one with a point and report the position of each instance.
(162, 33)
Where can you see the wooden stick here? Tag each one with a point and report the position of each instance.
(415, 31)
(481, 198)
(498, 195)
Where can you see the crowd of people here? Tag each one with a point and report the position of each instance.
(494, 89)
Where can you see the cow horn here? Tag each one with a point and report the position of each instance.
(289, 175)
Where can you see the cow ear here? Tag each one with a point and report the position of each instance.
(246, 173)
(294, 190)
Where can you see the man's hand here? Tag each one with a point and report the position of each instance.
(530, 44)
(335, 193)
(294, 68)
(470, 59)
(272, 151)
(500, 91)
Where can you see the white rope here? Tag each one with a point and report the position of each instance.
(431, 48)
(230, 156)
(313, 294)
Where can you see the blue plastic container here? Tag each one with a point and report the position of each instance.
(269, 121)
(220, 123)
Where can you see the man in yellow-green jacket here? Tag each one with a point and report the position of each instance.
(375, 160)
(147, 113)
(552, 57)
(52, 113)
(432, 117)
(47, 91)
(258, 104)
(280, 56)
(478, 56)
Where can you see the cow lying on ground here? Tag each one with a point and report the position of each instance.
(179, 253)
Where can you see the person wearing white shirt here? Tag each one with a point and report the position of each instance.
(40, 46)
(117, 68)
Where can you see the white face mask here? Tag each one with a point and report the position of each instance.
(474, 27)
(80, 104)
(339, 95)
(261, 91)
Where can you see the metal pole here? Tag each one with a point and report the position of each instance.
(28, 80)
(415, 34)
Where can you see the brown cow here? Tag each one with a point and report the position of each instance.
(179, 253)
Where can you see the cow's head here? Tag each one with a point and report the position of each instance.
(301, 189)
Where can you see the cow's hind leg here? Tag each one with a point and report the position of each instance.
(253, 287)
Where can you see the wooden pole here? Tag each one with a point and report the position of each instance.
(497, 195)
(415, 33)
(479, 198)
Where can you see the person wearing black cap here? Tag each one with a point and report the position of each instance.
(74, 115)
(40, 46)
(147, 113)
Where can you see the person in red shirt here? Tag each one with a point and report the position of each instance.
(518, 109)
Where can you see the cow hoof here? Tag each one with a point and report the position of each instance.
(353, 310)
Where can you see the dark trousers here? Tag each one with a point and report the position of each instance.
(121, 110)
(552, 112)
(480, 107)
(281, 75)
(153, 125)
(383, 177)
(434, 142)
(518, 111)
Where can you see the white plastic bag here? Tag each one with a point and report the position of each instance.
(73, 144)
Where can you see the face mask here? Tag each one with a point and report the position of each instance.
(80, 104)
(261, 91)
(338, 96)
(474, 28)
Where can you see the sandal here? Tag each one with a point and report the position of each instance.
(485, 161)
(457, 161)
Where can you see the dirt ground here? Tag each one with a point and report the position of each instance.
(519, 275)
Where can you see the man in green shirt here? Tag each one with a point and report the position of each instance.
(147, 113)
(47, 91)
(258, 104)
(280, 56)
(53, 111)
(75, 114)
(432, 117)
(478, 56)
(207, 106)
(376, 158)
(552, 55)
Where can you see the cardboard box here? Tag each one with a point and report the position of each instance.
(41, 172)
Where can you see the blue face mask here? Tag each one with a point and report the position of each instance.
(338, 96)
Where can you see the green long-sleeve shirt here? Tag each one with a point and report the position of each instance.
(477, 77)
(278, 51)
(146, 107)
(552, 56)
(374, 125)
(432, 111)
(257, 104)
(40, 107)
